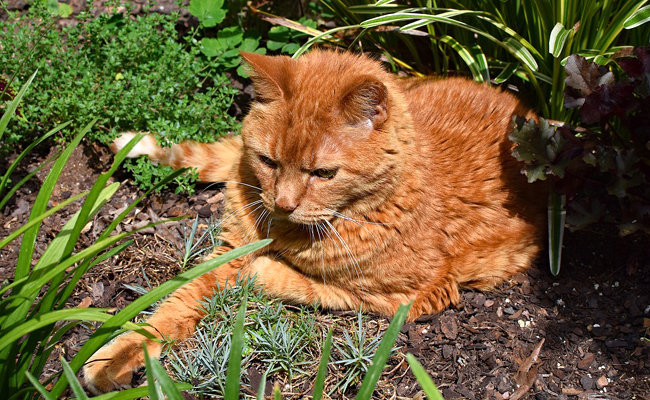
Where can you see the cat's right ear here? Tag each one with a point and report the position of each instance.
(269, 75)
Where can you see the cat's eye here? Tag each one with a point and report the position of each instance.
(268, 162)
(324, 173)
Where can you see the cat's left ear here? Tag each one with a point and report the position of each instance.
(366, 100)
(269, 74)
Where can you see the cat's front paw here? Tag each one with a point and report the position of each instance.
(112, 367)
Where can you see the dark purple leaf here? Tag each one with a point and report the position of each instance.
(608, 101)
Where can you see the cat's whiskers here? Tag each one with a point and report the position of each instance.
(343, 216)
(338, 248)
(319, 231)
(268, 225)
(356, 222)
(355, 263)
(238, 183)
(224, 219)
(250, 232)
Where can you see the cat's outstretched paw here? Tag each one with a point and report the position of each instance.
(112, 367)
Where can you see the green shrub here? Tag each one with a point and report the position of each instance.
(131, 73)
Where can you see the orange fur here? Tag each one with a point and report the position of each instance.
(425, 196)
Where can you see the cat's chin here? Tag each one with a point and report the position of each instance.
(307, 220)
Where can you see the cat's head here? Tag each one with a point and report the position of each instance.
(320, 137)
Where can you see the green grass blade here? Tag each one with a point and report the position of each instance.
(135, 393)
(262, 388)
(116, 221)
(383, 352)
(233, 374)
(558, 38)
(425, 381)
(40, 205)
(10, 335)
(319, 384)
(316, 38)
(465, 55)
(95, 192)
(506, 73)
(85, 267)
(55, 251)
(27, 150)
(40, 388)
(151, 382)
(276, 392)
(75, 385)
(481, 62)
(38, 219)
(18, 185)
(374, 9)
(640, 17)
(168, 386)
(105, 332)
(13, 105)
(556, 221)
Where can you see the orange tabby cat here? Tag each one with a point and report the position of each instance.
(376, 190)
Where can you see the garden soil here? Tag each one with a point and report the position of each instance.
(581, 335)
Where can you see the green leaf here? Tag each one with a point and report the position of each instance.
(154, 392)
(640, 17)
(97, 314)
(209, 12)
(231, 36)
(249, 45)
(273, 45)
(63, 10)
(506, 73)
(75, 385)
(40, 204)
(465, 54)
(558, 38)
(233, 375)
(481, 63)
(425, 381)
(322, 368)
(521, 52)
(159, 373)
(40, 388)
(262, 388)
(23, 154)
(211, 47)
(41, 217)
(11, 108)
(290, 48)
(556, 221)
(135, 393)
(382, 354)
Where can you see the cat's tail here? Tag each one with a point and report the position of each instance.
(212, 160)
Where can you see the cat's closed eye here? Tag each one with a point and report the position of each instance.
(268, 162)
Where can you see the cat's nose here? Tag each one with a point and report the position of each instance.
(286, 204)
